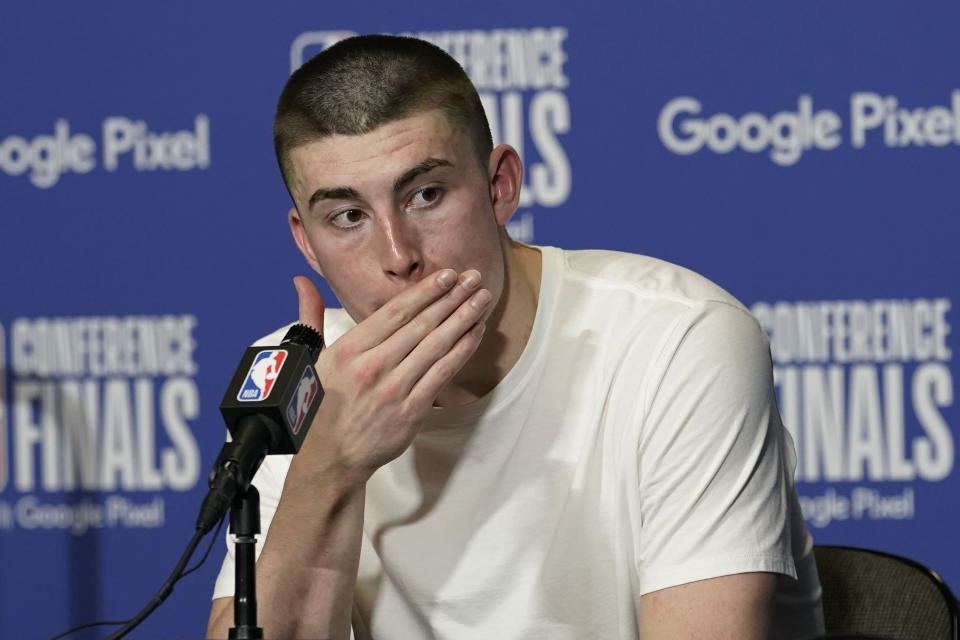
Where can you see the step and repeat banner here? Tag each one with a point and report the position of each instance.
(805, 156)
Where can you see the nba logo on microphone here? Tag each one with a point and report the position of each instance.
(263, 373)
(302, 399)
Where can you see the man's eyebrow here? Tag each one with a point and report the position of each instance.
(423, 167)
(336, 193)
(349, 193)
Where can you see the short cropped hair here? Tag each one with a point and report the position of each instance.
(364, 82)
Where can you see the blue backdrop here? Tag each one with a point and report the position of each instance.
(804, 156)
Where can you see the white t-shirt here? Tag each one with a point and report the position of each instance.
(635, 445)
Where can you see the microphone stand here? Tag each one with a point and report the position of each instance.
(245, 525)
(259, 426)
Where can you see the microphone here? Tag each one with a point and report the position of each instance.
(268, 408)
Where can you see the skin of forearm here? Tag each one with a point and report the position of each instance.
(307, 571)
(381, 377)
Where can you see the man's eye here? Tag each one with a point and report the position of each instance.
(425, 197)
(347, 219)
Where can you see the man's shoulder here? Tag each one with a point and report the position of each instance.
(644, 275)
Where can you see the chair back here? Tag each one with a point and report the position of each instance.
(875, 594)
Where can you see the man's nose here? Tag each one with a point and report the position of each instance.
(400, 254)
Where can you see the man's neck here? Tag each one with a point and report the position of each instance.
(508, 329)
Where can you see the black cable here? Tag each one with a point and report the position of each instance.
(164, 590)
(213, 540)
(161, 595)
(86, 626)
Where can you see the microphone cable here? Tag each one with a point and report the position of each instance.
(161, 595)
(263, 419)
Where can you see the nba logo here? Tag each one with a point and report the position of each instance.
(263, 373)
(302, 399)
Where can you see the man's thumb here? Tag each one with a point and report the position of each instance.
(311, 303)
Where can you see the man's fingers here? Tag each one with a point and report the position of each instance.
(408, 337)
(443, 370)
(405, 306)
(443, 339)
(310, 303)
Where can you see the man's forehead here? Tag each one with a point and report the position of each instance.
(429, 128)
(390, 148)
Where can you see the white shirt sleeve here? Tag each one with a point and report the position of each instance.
(714, 465)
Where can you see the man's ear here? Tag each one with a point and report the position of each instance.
(506, 178)
(300, 237)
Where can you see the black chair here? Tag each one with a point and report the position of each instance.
(872, 594)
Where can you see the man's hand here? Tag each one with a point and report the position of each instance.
(379, 380)
(382, 376)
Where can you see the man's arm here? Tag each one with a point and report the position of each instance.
(307, 571)
(379, 380)
(735, 607)
(715, 484)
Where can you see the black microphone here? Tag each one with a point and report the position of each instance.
(268, 408)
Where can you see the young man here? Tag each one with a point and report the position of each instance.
(515, 442)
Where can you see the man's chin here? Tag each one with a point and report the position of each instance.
(355, 315)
